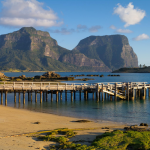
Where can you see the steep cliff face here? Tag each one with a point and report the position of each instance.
(113, 50)
(29, 39)
(81, 60)
(29, 49)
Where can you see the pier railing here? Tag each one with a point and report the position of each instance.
(69, 86)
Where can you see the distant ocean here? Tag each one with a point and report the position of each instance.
(131, 112)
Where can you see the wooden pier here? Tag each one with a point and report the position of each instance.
(111, 90)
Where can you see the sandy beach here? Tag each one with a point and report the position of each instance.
(14, 123)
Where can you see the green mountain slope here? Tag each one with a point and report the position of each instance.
(30, 49)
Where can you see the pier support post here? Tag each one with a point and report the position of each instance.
(66, 95)
(60, 95)
(144, 93)
(56, 96)
(86, 95)
(5, 98)
(23, 97)
(93, 95)
(110, 97)
(43, 95)
(139, 93)
(28, 96)
(102, 92)
(72, 96)
(105, 96)
(132, 98)
(136, 92)
(40, 96)
(115, 91)
(128, 91)
(35, 96)
(1, 97)
(14, 96)
(46, 96)
(97, 92)
(80, 94)
(31, 96)
(19, 97)
(51, 96)
(149, 92)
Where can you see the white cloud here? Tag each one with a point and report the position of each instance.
(63, 31)
(141, 37)
(94, 28)
(123, 31)
(112, 27)
(20, 13)
(80, 28)
(129, 14)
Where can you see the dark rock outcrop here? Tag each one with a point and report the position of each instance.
(50, 74)
(2, 75)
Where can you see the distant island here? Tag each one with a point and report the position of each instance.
(29, 49)
(133, 70)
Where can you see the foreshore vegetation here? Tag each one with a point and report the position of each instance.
(115, 140)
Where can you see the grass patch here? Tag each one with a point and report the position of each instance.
(121, 140)
(115, 140)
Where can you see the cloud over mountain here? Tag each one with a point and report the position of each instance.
(112, 27)
(80, 28)
(95, 28)
(123, 31)
(20, 13)
(129, 14)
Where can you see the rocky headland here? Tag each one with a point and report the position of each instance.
(133, 70)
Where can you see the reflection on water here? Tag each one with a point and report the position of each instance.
(136, 111)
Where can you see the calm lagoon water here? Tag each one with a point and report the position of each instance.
(131, 112)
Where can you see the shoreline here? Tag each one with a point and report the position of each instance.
(20, 121)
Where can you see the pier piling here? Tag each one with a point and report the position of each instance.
(72, 96)
(80, 94)
(66, 95)
(5, 98)
(40, 96)
(1, 97)
(51, 96)
(35, 96)
(23, 97)
(14, 96)
(19, 97)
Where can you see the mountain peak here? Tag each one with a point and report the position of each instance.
(31, 30)
(27, 29)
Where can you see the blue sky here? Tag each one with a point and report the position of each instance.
(69, 21)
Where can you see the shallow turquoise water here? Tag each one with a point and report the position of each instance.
(131, 112)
